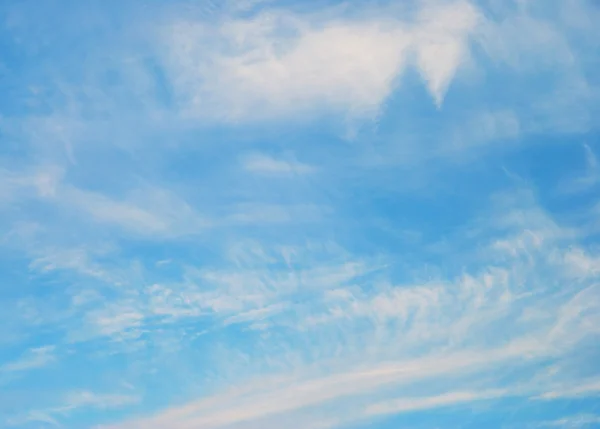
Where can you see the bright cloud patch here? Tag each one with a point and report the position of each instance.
(189, 239)
(280, 64)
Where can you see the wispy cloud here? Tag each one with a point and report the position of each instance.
(447, 399)
(266, 400)
(158, 212)
(266, 165)
(589, 388)
(183, 213)
(94, 400)
(38, 357)
(590, 176)
(578, 421)
(455, 319)
(74, 402)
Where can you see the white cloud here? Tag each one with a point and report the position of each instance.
(346, 333)
(581, 264)
(279, 64)
(589, 178)
(578, 317)
(35, 358)
(33, 416)
(77, 260)
(481, 128)
(524, 41)
(588, 388)
(148, 212)
(73, 402)
(256, 315)
(266, 165)
(545, 45)
(106, 210)
(344, 67)
(402, 405)
(460, 318)
(573, 422)
(14, 186)
(274, 397)
(374, 340)
(441, 43)
(85, 398)
(254, 286)
(266, 214)
(117, 321)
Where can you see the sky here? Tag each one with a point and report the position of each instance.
(267, 214)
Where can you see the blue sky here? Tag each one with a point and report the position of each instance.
(255, 214)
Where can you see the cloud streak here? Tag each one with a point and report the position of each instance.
(38, 357)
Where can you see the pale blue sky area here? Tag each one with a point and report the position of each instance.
(248, 214)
